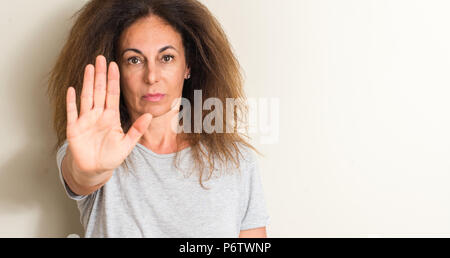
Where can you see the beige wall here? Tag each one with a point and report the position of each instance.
(363, 91)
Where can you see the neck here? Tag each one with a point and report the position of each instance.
(160, 137)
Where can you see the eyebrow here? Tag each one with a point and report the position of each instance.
(140, 52)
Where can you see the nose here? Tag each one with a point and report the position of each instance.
(152, 74)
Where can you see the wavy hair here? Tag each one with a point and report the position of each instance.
(214, 69)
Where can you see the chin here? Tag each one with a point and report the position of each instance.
(158, 110)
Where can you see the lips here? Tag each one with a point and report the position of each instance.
(154, 97)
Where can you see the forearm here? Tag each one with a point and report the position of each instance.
(79, 182)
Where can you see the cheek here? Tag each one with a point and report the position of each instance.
(175, 78)
(127, 76)
(129, 93)
(127, 82)
(176, 88)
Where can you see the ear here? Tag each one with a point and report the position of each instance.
(187, 73)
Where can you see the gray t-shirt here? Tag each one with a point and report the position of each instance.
(154, 199)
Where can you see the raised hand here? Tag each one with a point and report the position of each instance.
(97, 142)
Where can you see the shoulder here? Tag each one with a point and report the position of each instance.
(248, 153)
(247, 156)
(61, 150)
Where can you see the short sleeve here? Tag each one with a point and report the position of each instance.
(59, 158)
(255, 209)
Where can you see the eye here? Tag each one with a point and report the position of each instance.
(167, 58)
(133, 60)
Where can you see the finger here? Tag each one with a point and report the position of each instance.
(72, 113)
(136, 131)
(87, 92)
(113, 90)
(100, 82)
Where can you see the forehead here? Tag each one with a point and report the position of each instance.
(149, 34)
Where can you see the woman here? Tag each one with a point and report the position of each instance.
(120, 157)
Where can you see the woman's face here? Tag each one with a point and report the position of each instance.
(151, 61)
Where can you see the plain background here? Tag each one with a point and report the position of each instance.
(364, 127)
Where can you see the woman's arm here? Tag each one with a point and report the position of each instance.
(253, 233)
(81, 183)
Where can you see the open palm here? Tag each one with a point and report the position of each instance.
(96, 139)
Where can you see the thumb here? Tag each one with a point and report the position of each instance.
(137, 130)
